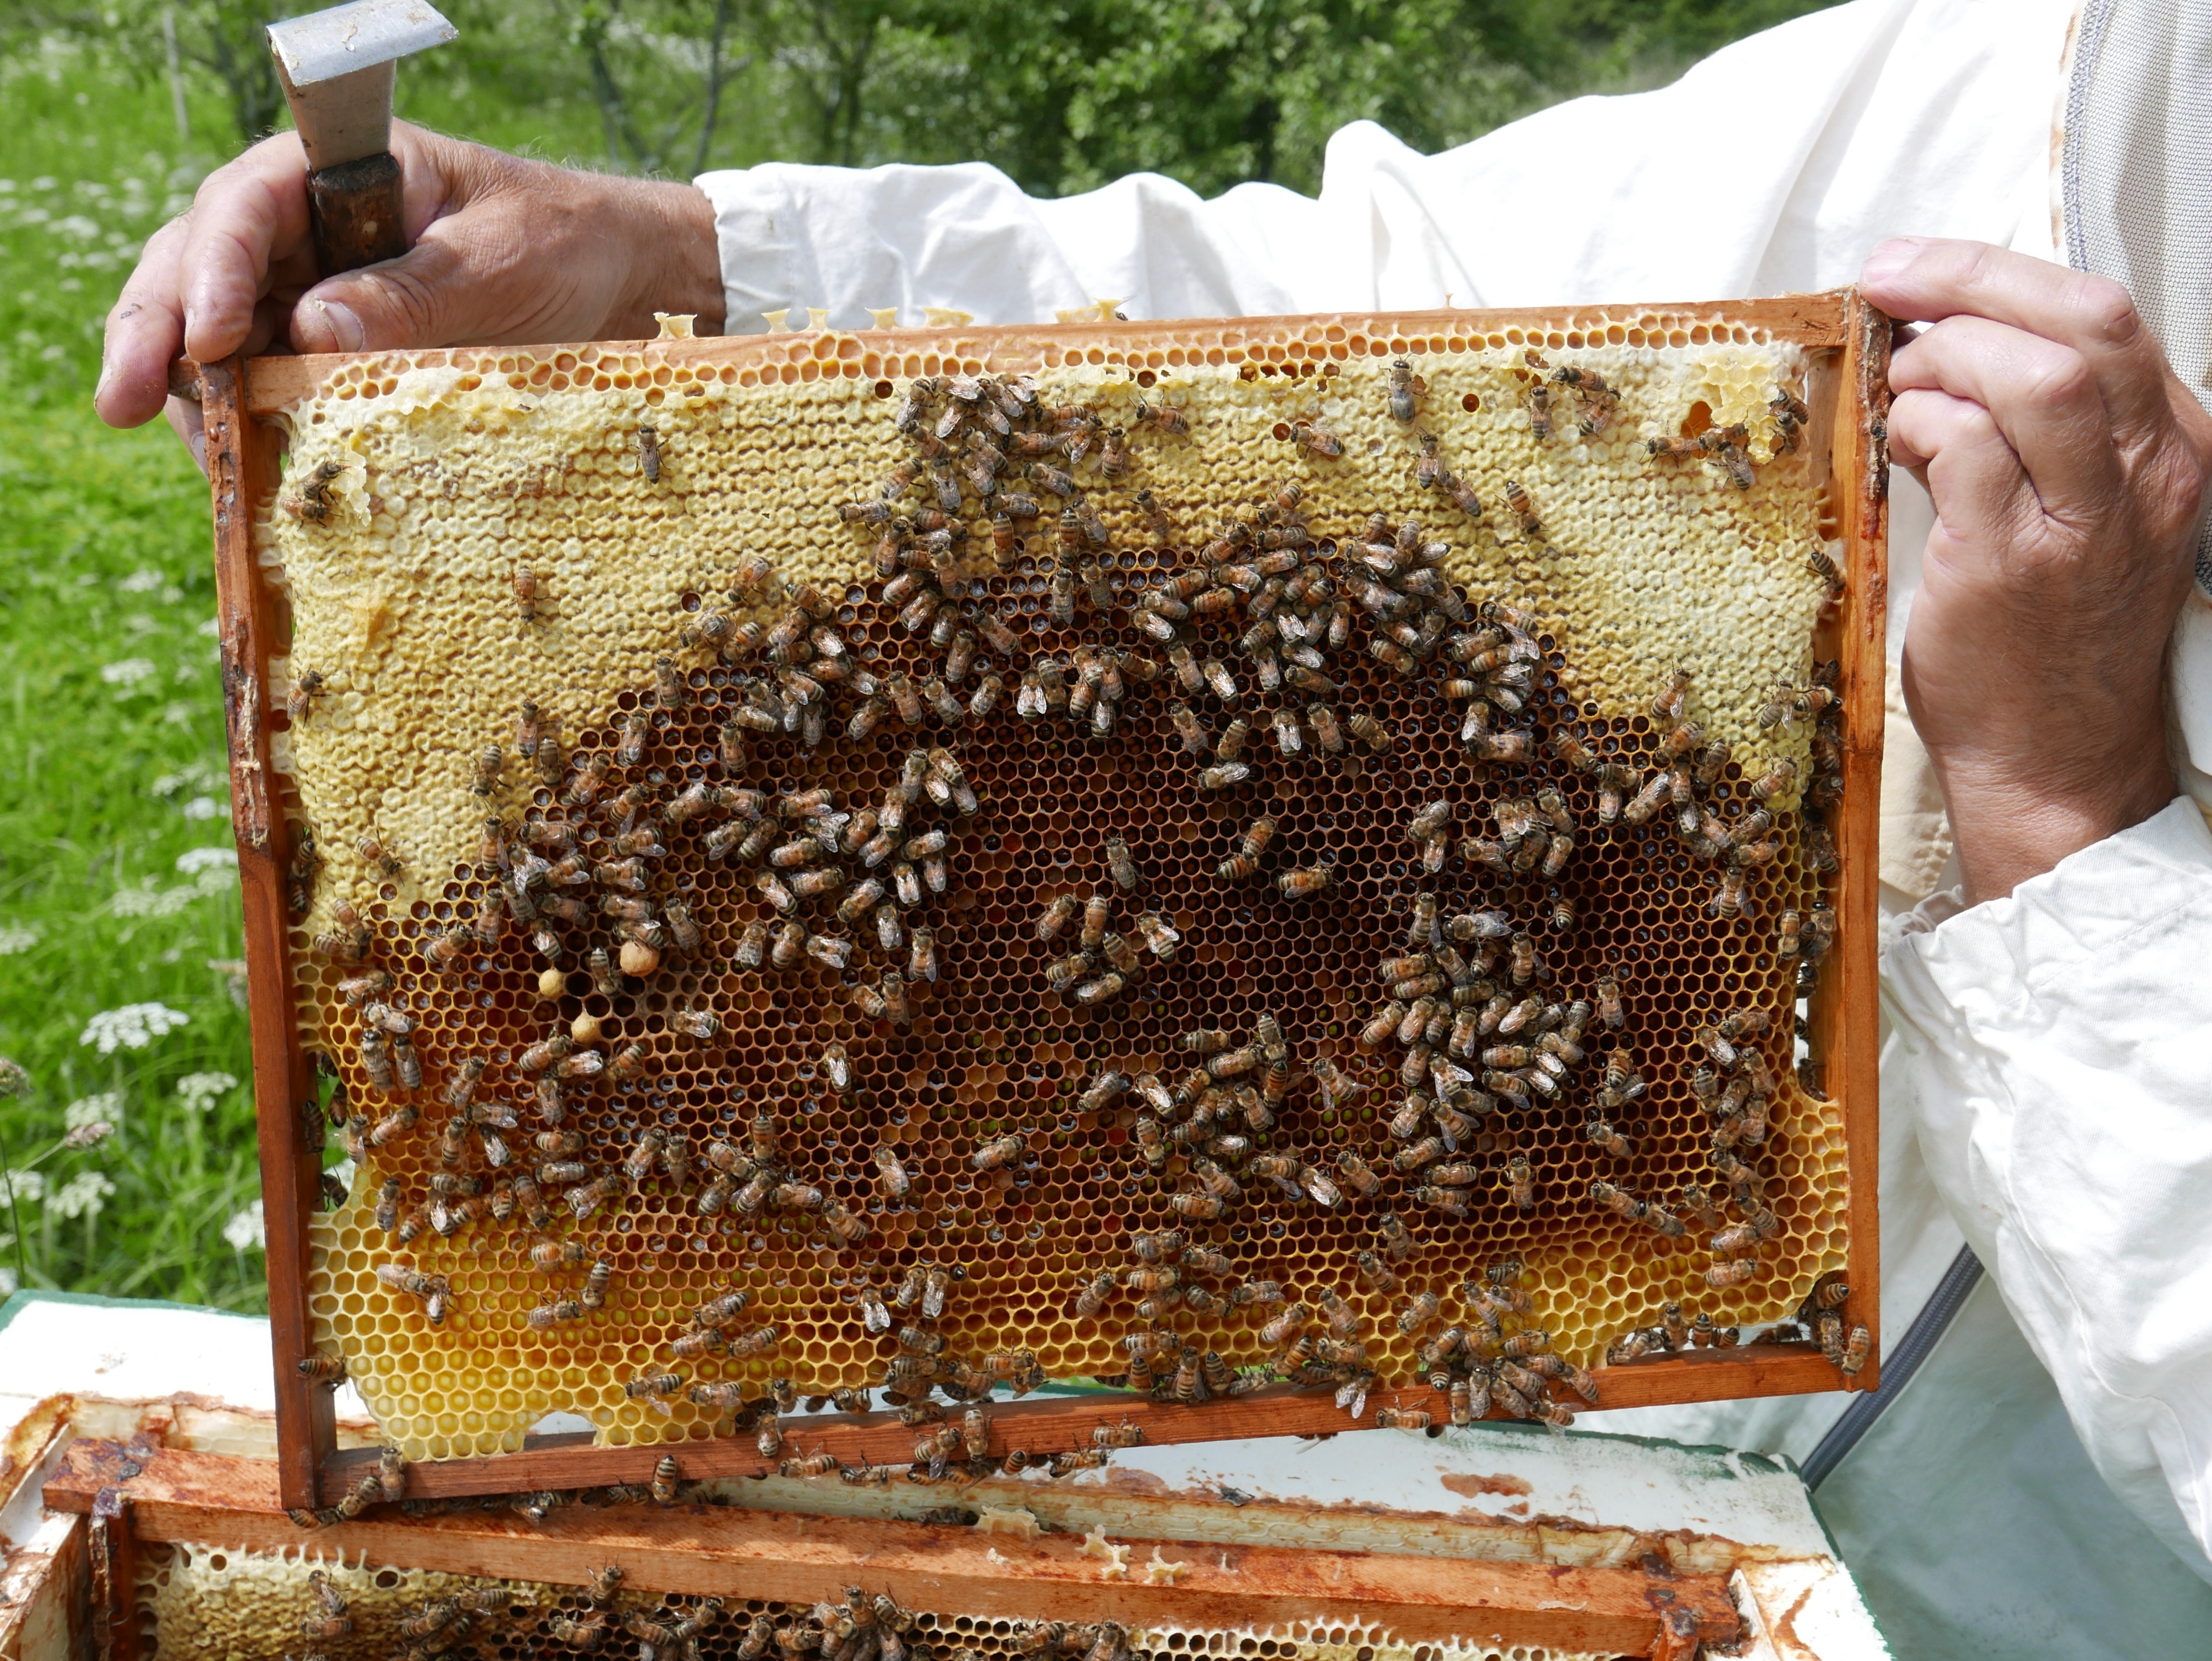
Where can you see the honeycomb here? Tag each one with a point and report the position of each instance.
(418, 492)
(202, 1600)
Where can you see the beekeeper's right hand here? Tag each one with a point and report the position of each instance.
(503, 250)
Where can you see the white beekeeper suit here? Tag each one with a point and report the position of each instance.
(2045, 1077)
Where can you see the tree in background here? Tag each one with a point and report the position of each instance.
(1063, 95)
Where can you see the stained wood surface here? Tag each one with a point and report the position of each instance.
(355, 214)
(1836, 325)
(1056, 1424)
(1852, 1038)
(702, 1550)
(241, 455)
(1817, 322)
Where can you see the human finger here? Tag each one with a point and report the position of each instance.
(187, 422)
(249, 218)
(1971, 472)
(145, 332)
(469, 279)
(1928, 278)
(2042, 395)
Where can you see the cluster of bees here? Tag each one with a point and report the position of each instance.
(1818, 1320)
(386, 1485)
(1481, 1036)
(1729, 447)
(988, 445)
(1105, 964)
(861, 1628)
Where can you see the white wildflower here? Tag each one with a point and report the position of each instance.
(142, 581)
(245, 1229)
(198, 1091)
(193, 775)
(133, 1026)
(7, 1286)
(17, 937)
(212, 870)
(206, 807)
(84, 1195)
(23, 1188)
(106, 1108)
(15, 1080)
(211, 627)
(127, 672)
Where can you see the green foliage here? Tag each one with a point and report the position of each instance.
(111, 734)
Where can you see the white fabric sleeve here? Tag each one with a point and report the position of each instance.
(1866, 120)
(2057, 1044)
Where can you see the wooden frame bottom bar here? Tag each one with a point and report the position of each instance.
(713, 1550)
(1060, 1424)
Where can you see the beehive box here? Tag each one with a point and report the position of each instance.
(191, 1556)
(585, 528)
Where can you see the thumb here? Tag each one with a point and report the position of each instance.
(438, 293)
(467, 209)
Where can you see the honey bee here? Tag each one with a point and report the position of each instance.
(587, 1634)
(1401, 400)
(1599, 1131)
(1196, 1207)
(1315, 441)
(1303, 882)
(1520, 1183)
(1092, 1299)
(995, 1155)
(1163, 416)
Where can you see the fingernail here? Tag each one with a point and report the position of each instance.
(344, 326)
(1891, 257)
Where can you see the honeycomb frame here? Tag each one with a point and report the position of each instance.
(1842, 346)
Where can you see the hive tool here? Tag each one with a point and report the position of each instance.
(338, 68)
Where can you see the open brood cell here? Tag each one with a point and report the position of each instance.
(1598, 569)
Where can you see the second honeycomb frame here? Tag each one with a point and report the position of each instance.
(1846, 340)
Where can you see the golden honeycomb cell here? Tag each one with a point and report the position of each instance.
(454, 477)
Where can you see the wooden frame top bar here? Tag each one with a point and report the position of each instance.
(1817, 322)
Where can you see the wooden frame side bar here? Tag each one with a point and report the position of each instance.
(1853, 1034)
(733, 1552)
(242, 471)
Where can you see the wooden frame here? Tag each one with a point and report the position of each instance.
(168, 1496)
(1849, 342)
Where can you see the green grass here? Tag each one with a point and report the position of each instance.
(111, 765)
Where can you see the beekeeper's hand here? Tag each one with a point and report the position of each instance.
(504, 250)
(2068, 464)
